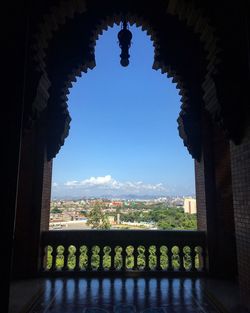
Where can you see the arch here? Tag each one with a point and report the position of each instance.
(186, 11)
(192, 27)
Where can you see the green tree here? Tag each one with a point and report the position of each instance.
(97, 219)
(55, 210)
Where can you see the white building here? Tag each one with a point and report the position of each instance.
(190, 205)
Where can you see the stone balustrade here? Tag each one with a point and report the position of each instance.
(127, 251)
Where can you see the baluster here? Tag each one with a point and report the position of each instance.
(152, 258)
(85, 251)
(164, 263)
(110, 257)
(118, 257)
(71, 258)
(83, 260)
(129, 258)
(175, 258)
(187, 258)
(132, 258)
(158, 258)
(47, 258)
(198, 258)
(60, 257)
(95, 258)
(141, 258)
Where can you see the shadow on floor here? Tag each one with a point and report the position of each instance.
(118, 295)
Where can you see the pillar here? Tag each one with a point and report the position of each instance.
(240, 156)
(215, 213)
(33, 201)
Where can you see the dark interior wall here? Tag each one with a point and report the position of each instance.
(215, 213)
(33, 201)
(205, 191)
(224, 214)
(200, 194)
(24, 257)
(46, 194)
(240, 159)
(14, 71)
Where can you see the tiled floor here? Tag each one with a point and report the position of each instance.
(101, 295)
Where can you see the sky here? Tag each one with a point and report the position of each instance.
(123, 135)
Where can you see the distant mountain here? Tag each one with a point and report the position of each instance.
(135, 197)
(112, 196)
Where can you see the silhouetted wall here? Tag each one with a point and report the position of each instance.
(33, 202)
(215, 212)
(240, 156)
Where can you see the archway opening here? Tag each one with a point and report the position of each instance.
(123, 158)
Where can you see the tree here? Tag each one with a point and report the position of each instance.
(97, 219)
(55, 210)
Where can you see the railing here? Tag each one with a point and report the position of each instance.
(127, 251)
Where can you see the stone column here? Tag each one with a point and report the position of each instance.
(240, 156)
(33, 201)
(11, 130)
(214, 200)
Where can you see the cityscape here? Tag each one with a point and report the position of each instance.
(103, 213)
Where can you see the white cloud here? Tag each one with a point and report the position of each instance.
(72, 183)
(93, 181)
(142, 186)
(107, 184)
(97, 181)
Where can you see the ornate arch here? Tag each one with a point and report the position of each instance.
(185, 13)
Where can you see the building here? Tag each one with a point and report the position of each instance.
(115, 204)
(190, 205)
(202, 45)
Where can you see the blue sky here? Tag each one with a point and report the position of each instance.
(123, 135)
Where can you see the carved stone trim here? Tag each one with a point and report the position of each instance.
(185, 11)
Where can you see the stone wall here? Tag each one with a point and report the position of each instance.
(240, 160)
